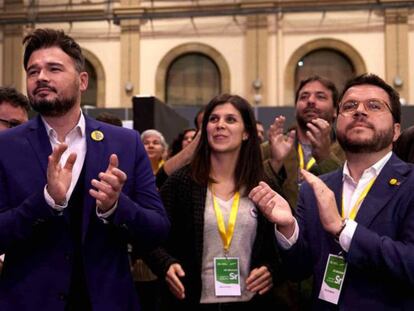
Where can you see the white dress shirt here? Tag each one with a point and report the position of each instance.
(351, 192)
(76, 141)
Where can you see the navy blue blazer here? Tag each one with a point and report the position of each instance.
(37, 241)
(380, 272)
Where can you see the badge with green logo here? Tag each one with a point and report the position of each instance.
(227, 276)
(333, 279)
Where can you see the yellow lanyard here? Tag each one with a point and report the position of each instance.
(311, 162)
(362, 196)
(226, 235)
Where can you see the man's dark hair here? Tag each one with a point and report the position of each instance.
(45, 38)
(109, 118)
(14, 98)
(372, 79)
(249, 168)
(325, 82)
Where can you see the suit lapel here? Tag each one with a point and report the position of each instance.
(95, 163)
(39, 140)
(382, 190)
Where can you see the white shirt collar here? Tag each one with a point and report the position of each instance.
(373, 170)
(79, 128)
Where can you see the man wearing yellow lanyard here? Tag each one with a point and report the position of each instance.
(311, 145)
(354, 228)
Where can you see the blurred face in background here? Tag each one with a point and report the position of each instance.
(260, 132)
(11, 116)
(153, 147)
(314, 101)
(188, 138)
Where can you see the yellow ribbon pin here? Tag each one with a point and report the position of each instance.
(394, 182)
(97, 135)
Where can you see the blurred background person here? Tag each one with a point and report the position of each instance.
(146, 282)
(205, 196)
(155, 146)
(182, 141)
(14, 108)
(260, 131)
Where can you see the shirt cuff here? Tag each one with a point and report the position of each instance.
(345, 238)
(51, 202)
(104, 216)
(283, 241)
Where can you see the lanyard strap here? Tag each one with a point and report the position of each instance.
(311, 162)
(226, 235)
(362, 196)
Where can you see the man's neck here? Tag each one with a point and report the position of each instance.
(301, 135)
(359, 162)
(64, 124)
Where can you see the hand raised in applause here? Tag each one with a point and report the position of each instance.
(328, 210)
(274, 207)
(59, 178)
(280, 144)
(109, 186)
(319, 135)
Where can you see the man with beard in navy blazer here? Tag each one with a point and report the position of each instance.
(74, 192)
(354, 228)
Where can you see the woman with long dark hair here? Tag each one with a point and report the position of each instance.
(221, 249)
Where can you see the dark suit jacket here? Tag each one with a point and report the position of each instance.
(380, 273)
(184, 201)
(37, 241)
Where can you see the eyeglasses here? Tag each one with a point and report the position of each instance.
(371, 106)
(10, 123)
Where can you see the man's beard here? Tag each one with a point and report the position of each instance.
(303, 120)
(52, 108)
(380, 140)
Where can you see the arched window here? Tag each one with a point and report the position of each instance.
(328, 63)
(192, 79)
(90, 96)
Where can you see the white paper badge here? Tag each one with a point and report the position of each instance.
(227, 276)
(333, 279)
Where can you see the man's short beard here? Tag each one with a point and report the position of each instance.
(302, 122)
(380, 141)
(53, 108)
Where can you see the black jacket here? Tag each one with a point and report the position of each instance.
(184, 201)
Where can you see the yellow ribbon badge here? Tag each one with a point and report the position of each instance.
(394, 182)
(97, 135)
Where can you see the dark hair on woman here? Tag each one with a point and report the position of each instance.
(46, 38)
(372, 79)
(249, 169)
(177, 144)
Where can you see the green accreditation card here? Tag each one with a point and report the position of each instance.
(227, 276)
(333, 279)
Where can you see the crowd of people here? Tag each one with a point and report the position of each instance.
(94, 216)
